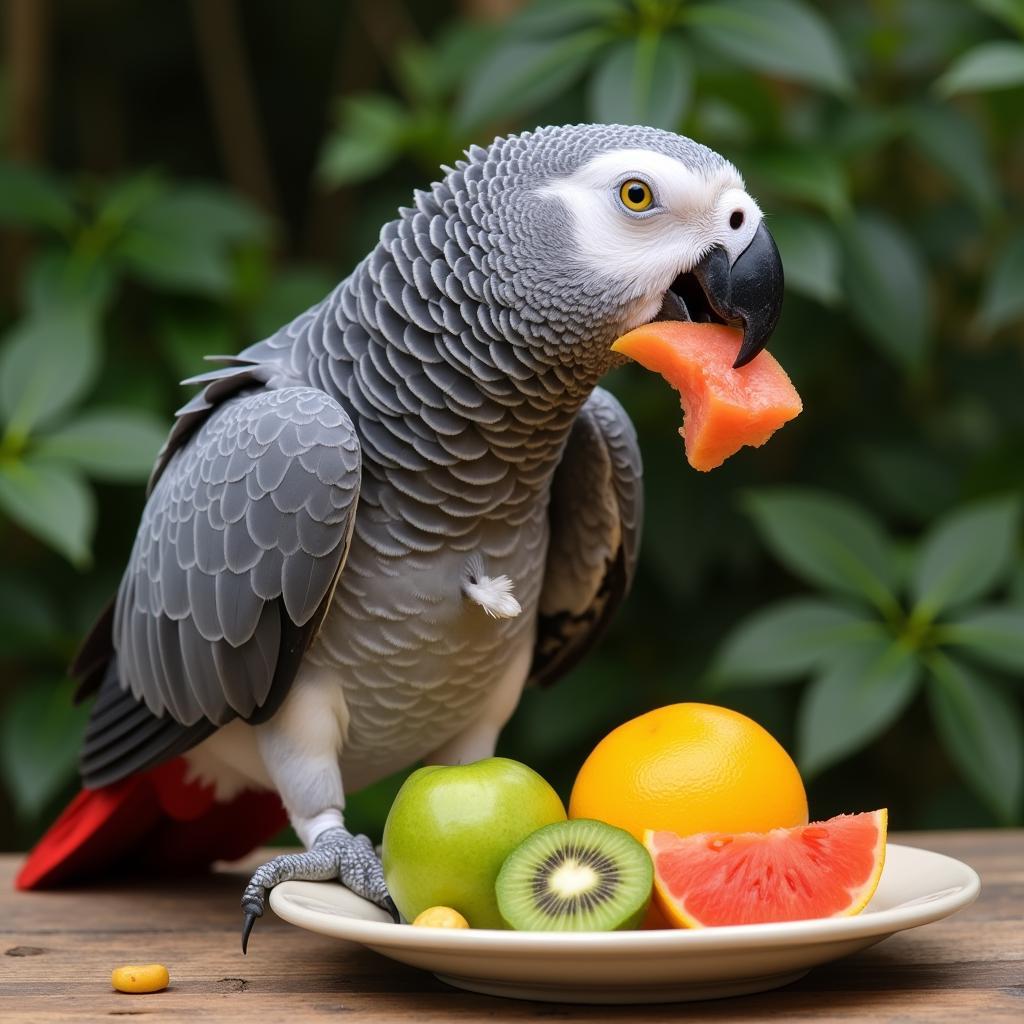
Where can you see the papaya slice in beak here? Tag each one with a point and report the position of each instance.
(725, 408)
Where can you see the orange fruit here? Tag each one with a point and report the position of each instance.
(689, 768)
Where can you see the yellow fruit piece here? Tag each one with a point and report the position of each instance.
(440, 917)
(141, 978)
(689, 768)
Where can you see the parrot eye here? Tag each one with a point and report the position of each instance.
(636, 195)
(736, 220)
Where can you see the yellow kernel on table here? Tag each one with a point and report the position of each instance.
(440, 917)
(140, 978)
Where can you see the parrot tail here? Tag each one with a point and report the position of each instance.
(156, 821)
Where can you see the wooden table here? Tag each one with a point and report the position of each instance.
(59, 947)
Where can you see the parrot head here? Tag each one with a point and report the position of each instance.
(587, 231)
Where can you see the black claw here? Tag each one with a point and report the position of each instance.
(389, 906)
(247, 926)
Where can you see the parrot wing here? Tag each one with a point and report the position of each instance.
(596, 514)
(243, 537)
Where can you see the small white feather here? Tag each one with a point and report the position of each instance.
(493, 594)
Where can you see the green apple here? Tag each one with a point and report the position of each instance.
(451, 828)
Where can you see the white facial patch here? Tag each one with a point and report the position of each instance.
(690, 213)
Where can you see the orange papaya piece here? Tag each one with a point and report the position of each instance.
(724, 408)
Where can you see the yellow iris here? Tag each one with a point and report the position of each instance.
(636, 195)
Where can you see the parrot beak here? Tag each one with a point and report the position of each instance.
(745, 294)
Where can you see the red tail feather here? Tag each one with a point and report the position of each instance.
(155, 820)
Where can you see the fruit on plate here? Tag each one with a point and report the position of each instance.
(575, 876)
(825, 869)
(440, 917)
(689, 768)
(724, 408)
(451, 828)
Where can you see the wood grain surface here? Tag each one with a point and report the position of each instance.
(57, 950)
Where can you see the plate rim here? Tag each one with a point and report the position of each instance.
(816, 931)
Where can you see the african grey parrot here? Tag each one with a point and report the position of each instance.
(369, 531)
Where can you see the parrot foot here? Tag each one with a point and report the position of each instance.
(335, 853)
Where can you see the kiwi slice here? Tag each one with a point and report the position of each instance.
(575, 876)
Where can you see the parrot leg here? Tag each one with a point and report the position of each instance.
(301, 748)
(335, 853)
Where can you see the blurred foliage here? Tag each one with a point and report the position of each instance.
(171, 239)
(884, 142)
(70, 415)
(868, 652)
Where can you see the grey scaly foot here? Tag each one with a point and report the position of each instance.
(336, 853)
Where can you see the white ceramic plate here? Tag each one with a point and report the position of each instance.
(917, 887)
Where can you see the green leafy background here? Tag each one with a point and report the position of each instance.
(857, 586)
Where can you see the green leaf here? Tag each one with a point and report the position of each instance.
(373, 129)
(964, 556)
(646, 80)
(48, 362)
(458, 47)
(995, 65)
(175, 262)
(1009, 12)
(981, 728)
(1003, 299)
(33, 198)
(886, 288)
(418, 72)
(183, 240)
(785, 640)
(544, 18)
(50, 502)
(994, 636)
(520, 75)
(860, 693)
(58, 279)
(810, 254)
(123, 200)
(862, 131)
(347, 159)
(953, 142)
(428, 74)
(780, 37)
(827, 541)
(40, 731)
(215, 215)
(801, 172)
(108, 444)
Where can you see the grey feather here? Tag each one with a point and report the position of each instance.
(596, 517)
(448, 382)
(209, 652)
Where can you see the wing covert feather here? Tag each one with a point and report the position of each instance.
(596, 515)
(253, 511)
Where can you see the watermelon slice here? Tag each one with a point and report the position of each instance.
(724, 408)
(825, 869)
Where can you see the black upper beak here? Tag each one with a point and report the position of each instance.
(749, 292)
